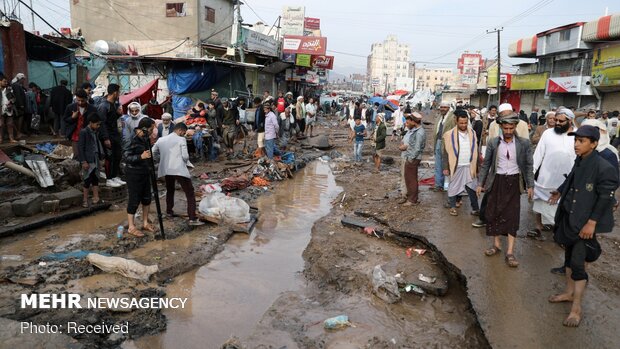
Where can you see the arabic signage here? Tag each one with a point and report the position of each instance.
(303, 60)
(292, 21)
(312, 23)
(304, 44)
(323, 62)
(606, 66)
(529, 82)
(469, 67)
(504, 80)
(565, 84)
(258, 42)
(288, 57)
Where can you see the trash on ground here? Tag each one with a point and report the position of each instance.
(122, 266)
(371, 231)
(225, 208)
(427, 279)
(337, 322)
(204, 176)
(419, 251)
(413, 288)
(11, 257)
(259, 182)
(61, 256)
(235, 183)
(384, 286)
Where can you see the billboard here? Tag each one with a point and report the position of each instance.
(304, 44)
(566, 84)
(292, 21)
(323, 62)
(303, 60)
(469, 66)
(288, 57)
(529, 82)
(312, 23)
(606, 66)
(261, 43)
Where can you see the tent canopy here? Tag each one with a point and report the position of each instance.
(143, 94)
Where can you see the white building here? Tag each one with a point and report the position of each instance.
(433, 78)
(388, 66)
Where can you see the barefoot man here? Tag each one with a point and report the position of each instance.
(585, 209)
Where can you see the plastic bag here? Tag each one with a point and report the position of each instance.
(336, 322)
(122, 266)
(384, 286)
(228, 209)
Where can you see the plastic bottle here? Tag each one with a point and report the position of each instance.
(119, 232)
(11, 257)
(446, 183)
(336, 322)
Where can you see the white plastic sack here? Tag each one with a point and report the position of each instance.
(228, 209)
(384, 286)
(122, 266)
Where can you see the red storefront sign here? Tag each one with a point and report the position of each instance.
(312, 23)
(304, 44)
(323, 62)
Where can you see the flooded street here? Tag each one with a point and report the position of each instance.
(229, 296)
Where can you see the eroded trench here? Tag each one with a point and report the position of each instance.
(298, 267)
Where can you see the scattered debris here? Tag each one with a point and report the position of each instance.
(218, 207)
(419, 251)
(384, 286)
(259, 182)
(427, 279)
(337, 322)
(122, 266)
(413, 288)
(235, 183)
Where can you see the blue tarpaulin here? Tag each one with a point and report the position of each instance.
(186, 79)
(181, 105)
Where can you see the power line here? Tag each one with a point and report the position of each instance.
(250, 7)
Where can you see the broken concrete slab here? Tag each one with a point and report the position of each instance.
(69, 197)
(28, 205)
(6, 211)
(50, 206)
(320, 142)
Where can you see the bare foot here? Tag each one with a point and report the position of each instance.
(573, 319)
(562, 297)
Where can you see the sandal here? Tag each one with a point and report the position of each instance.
(458, 204)
(100, 201)
(534, 233)
(511, 261)
(135, 232)
(547, 227)
(492, 251)
(148, 228)
(453, 212)
(85, 204)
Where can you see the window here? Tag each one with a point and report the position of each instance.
(565, 35)
(209, 14)
(175, 9)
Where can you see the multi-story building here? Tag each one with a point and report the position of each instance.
(388, 66)
(178, 27)
(432, 78)
(576, 66)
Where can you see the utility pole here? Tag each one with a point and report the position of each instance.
(499, 61)
(240, 32)
(413, 89)
(32, 16)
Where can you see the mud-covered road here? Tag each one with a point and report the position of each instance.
(301, 265)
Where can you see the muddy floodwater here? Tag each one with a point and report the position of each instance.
(229, 296)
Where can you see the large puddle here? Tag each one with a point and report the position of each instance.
(229, 296)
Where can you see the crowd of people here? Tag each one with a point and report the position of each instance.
(564, 162)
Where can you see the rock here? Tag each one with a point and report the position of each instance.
(320, 141)
(50, 206)
(27, 206)
(69, 197)
(5, 211)
(71, 169)
(388, 160)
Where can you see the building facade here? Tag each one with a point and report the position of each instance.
(388, 66)
(433, 78)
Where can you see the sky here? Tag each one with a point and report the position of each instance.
(438, 31)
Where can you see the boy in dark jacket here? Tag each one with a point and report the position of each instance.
(585, 209)
(90, 152)
(380, 135)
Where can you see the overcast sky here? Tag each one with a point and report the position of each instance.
(437, 30)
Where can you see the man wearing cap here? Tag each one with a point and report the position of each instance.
(412, 149)
(166, 127)
(505, 109)
(460, 162)
(549, 123)
(507, 164)
(553, 160)
(586, 200)
(445, 121)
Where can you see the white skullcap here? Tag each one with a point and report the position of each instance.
(444, 104)
(504, 107)
(569, 113)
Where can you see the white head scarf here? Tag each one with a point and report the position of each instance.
(603, 142)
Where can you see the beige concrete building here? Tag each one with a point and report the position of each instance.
(433, 78)
(388, 66)
(155, 26)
